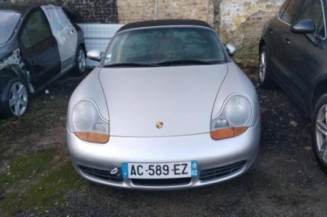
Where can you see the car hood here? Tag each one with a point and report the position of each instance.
(182, 98)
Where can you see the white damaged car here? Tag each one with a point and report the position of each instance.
(166, 109)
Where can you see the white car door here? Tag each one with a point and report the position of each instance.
(65, 33)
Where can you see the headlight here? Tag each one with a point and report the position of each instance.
(233, 120)
(88, 125)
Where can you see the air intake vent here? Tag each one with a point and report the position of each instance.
(219, 172)
(100, 174)
(161, 182)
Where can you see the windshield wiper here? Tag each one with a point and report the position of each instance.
(187, 62)
(130, 65)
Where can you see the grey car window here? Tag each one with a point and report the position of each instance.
(313, 10)
(37, 28)
(154, 46)
(8, 23)
(283, 8)
(291, 11)
(24, 39)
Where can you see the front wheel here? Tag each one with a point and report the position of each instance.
(265, 77)
(14, 98)
(319, 132)
(80, 64)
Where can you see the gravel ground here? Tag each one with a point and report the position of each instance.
(284, 181)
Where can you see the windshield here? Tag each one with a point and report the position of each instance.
(8, 23)
(164, 47)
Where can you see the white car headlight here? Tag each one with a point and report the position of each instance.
(88, 124)
(233, 120)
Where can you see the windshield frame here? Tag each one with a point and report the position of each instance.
(227, 58)
(12, 33)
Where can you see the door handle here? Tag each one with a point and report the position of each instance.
(287, 40)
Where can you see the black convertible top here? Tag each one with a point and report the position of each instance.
(152, 23)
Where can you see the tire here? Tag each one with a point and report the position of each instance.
(264, 71)
(319, 132)
(14, 98)
(80, 61)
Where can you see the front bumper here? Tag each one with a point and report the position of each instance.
(218, 161)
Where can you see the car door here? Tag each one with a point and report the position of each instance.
(39, 48)
(282, 46)
(275, 29)
(65, 34)
(305, 51)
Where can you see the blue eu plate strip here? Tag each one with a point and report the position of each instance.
(194, 168)
(124, 167)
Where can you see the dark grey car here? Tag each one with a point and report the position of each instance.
(35, 50)
(293, 54)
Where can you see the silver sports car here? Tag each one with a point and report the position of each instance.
(166, 109)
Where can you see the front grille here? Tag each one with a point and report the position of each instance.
(100, 174)
(219, 172)
(161, 182)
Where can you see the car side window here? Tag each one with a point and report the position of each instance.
(37, 28)
(321, 29)
(283, 8)
(313, 10)
(290, 14)
(24, 39)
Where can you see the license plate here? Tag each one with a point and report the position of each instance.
(159, 170)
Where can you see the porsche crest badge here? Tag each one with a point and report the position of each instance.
(159, 125)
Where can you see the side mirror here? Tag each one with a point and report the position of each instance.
(306, 26)
(94, 55)
(231, 49)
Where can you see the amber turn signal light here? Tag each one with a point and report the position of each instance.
(227, 133)
(93, 137)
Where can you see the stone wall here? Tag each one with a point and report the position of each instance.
(131, 10)
(241, 23)
(135, 10)
(186, 9)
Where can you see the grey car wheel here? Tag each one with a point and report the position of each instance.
(18, 99)
(81, 60)
(320, 132)
(262, 66)
(14, 98)
(265, 79)
(80, 67)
